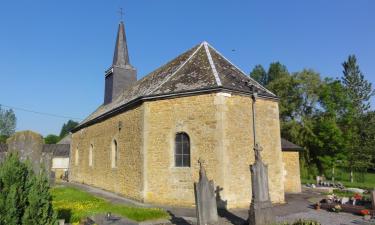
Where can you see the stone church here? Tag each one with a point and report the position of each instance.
(145, 140)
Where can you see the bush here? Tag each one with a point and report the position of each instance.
(24, 196)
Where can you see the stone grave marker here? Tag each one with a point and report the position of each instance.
(260, 212)
(29, 145)
(205, 199)
(373, 199)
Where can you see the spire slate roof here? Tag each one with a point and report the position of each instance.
(121, 55)
(199, 69)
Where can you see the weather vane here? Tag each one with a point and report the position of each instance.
(121, 14)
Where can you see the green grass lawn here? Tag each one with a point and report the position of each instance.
(73, 204)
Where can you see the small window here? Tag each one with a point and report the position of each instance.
(182, 150)
(90, 155)
(114, 154)
(77, 157)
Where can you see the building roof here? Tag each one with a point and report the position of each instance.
(66, 140)
(201, 69)
(289, 146)
(58, 150)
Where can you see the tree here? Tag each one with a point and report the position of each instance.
(23, 195)
(51, 139)
(259, 74)
(67, 127)
(3, 138)
(360, 91)
(39, 202)
(7, 122)
(276, 71)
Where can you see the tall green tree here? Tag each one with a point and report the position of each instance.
(67, 127)
(259, 74)
(276, 71)
(7, 122)
(360, 91)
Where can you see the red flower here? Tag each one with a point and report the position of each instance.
(365, 212)
(357, 196)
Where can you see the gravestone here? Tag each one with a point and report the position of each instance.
(373, 199)
(260, 212)
(29, 145)
(205, 200)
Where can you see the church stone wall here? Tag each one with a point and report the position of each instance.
(220, 131)
(126, 178)
(292, 172)
(239, 153)
(219, 126)
(196, 116)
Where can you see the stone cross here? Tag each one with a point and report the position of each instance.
(205, 200)
(257, 150)
(121, 14)
(260, 212)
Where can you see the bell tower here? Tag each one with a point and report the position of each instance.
(121, 75)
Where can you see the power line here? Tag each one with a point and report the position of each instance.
(40, 113)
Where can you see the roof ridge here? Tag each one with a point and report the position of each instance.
(213, 67)
(179, 68)
(242, 72)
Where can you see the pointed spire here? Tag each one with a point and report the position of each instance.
(121, 55)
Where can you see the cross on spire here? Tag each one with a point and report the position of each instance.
(121, 14)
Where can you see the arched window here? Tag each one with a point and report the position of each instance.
(182, 150)
(114, 154)
(90, 154)
(77, 156)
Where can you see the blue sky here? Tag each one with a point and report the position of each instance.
(53, 53)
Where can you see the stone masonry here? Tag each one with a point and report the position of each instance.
(220, 129)
(292, 182)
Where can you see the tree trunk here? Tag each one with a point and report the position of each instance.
(333, 174)
(351, 176)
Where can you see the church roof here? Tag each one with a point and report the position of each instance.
(66, 140)
(289, 146)
(201, 69)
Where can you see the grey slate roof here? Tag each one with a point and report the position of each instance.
(58, 150)
(199, 69)
(66, 140)
(289, 146)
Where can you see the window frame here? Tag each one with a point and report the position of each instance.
(91, 156)
(114, 154)
(76, 158)
(182, 149)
